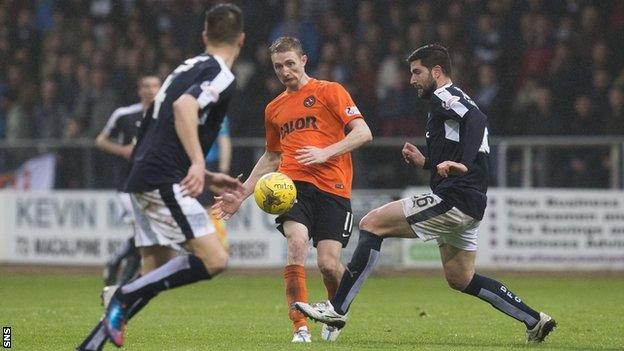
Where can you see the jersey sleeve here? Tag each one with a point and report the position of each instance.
(474, 137)
(210, 86)
(453, 103)
(341, 103)
(272, 133)
(111, 124)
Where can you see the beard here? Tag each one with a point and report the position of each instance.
(427, 89)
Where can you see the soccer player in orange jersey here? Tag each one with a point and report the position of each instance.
(305, 139)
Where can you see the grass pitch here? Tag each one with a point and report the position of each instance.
(248, 312)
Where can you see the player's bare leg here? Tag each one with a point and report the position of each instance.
(385, 221)
(459, 266)
(328, 261)
(209, 250)
(154, 257)
(459, 270)
(298, 242)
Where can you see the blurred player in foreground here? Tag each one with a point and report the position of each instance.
(169, 171)
(305, 139)
(457, 155)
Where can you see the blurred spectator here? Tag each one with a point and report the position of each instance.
(330, 60)
(392, 69)
(489, 98)
(584, 121)
(18, 116)
(591, 26)
(49, 116)
(488, 46)
(292, 25)
(422, 12)
(524, 99)
(614, 124)
(394, 25)
(95, 103)
(538, 50)
(64, 77)
(541, 118)
(600, 55)
(364, 77)
(599, 91)
(365, 19)
(563, 77)
(400, 111)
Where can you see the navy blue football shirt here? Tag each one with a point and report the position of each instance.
(159, 157)
(457, 131)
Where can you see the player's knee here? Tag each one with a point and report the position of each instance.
(367, 222)
(370, 223)
(216, 263)
(328, 266)
(457, 282)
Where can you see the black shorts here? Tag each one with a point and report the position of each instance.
(327, 216)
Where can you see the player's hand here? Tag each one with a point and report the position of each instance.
(227, 204)
(126, 151)
(311, 155)
(412, 155)
(193, 184)
(448, 168)
(219, 183)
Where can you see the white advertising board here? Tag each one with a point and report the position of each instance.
(84, 228)
(553, 230)
(522, 229)
(254, 241)
(541, 229)
(61, 227)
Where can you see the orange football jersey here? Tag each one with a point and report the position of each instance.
(315, 115)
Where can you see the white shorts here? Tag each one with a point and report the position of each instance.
(125, 208)
(432, 218)
(165, 217)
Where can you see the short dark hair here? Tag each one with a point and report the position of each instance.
(433, 55)
(284, 44)
(223, 23)
(147, 75)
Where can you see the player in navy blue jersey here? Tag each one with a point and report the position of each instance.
(457, 155)
(118, 138)
(168, 172)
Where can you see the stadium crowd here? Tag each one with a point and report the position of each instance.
(550, 67)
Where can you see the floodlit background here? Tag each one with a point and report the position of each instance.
(549, 74)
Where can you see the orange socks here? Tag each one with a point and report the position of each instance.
(296, 290)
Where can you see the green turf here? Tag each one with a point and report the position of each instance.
(242, 312)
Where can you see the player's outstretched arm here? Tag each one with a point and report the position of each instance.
(221, 183)
(228, 203)
(185, 112)
(359, 134)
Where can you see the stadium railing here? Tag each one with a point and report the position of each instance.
(516, 161)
